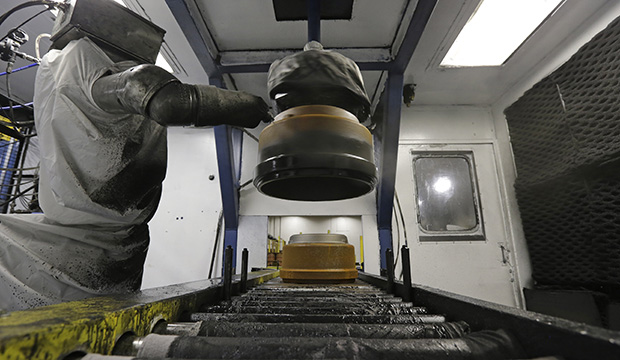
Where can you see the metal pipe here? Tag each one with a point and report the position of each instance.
(389, 256)
(228, 258)
(406, 273)
(481, 345)
(241, 301)
(243, 287)
(17, 106)
(388, 145)
(319, 318)
(314, 20)
(329, 309)
(307, 299)
(218, 233)
(19, 69)
(371, 331)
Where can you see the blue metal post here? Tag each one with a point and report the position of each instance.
(390, 128)
(423, 11)
(388, 154)
(314, 20)
(229, 186)
(186, 21)
(229, 181)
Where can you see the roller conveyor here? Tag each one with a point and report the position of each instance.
(275, 320)
(332, 329)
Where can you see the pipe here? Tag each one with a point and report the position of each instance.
(406, 273)
(327, 298)
(316, 318)
(314, 20)
(389, 256)
(16, 106)
(19, 69)
(218, 233)
(228, 257)
(302, 309)
(481, 345)
(243, 286)
(371, 331)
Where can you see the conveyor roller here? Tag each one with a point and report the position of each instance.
(291, 321)
(283, 320)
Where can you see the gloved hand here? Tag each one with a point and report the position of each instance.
(153, 92)
(236, 108)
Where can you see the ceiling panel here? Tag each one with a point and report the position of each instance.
(251, 25)
(485, 85)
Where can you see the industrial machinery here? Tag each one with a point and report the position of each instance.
(370, 317)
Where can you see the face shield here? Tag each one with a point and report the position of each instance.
(112, 27)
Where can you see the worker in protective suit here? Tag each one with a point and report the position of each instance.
(101, 121)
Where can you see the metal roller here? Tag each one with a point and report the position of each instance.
(481, 345)
(375, 309)
(321, 318)
(370, 331)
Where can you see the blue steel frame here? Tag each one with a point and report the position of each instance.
(386, 158)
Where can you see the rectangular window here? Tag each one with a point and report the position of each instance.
(447, 197)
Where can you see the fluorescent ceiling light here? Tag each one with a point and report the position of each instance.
(495, 30)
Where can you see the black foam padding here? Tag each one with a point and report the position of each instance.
(565, 134)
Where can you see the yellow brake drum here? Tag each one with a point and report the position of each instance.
(318, 258)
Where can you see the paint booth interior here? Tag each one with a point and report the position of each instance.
(423, 187)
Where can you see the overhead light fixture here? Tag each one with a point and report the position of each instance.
(496, 30)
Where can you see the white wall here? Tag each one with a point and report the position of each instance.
(470, 268)
(183, 229)
(350, 226)
(252, 235)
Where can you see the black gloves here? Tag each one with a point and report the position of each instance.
(155, 93)
(237, 108)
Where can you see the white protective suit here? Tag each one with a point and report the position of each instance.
(100, 183)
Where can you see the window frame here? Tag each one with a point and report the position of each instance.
(477, 233)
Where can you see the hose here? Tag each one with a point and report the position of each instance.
(37, 43)
(4, 16)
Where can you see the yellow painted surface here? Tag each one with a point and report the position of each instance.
(7, 123)
(92, 325)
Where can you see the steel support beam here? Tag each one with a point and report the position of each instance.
(390, 128)
(388, 143)
(229, 185)
(422, 14)
(314, 20)
(198, 42)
